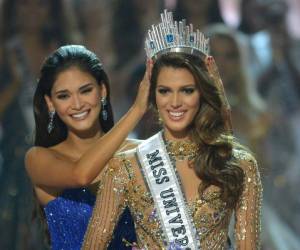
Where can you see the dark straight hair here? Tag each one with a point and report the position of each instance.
(60, 60)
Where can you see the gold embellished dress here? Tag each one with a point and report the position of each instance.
(123, 185)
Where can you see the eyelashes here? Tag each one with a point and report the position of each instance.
(163, 91)
(189, 90)
(64, 96)
(87, 90)
(186, 90)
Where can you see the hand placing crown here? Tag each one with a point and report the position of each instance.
(172, 36)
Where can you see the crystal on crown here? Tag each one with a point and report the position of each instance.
(172, 36)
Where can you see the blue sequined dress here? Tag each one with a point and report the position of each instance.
(68, 216)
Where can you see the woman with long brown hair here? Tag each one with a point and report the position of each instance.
(183, 184)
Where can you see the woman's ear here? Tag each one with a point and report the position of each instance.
(49, 103)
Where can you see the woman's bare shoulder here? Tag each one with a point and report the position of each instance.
(37, 156)
(36, 152)
(44, 153)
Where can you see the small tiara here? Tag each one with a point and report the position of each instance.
(172, 36)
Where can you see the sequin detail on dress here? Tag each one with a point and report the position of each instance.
(68, 216)
(124, 186)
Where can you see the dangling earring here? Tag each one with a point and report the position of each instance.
(51, 121)
(160, 120)
(103, 108)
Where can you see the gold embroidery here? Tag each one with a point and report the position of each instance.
(182, 150)
(123, 185)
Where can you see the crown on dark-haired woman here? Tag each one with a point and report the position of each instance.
(172, 36)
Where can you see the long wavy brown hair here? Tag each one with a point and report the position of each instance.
(215, 163)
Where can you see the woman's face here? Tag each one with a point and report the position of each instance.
(177, 100)
(75, 96)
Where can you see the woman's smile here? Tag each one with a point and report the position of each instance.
(80, 116)
(176, 115)
(76, 99)
(177, 100)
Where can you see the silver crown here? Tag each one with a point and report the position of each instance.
(172, 36)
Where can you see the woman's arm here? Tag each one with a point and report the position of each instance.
(110, 203)
(46, 168)
(248, 209)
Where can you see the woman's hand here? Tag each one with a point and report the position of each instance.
(141, 101)
(214, 74)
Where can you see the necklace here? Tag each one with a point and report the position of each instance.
(182, 150)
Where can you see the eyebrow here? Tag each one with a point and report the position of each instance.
(185, 86)
(81, 88)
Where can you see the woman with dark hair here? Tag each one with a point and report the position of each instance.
(74, 139)
(183, 184)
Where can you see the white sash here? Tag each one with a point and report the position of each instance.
(166, 191)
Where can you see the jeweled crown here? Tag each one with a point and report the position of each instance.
(172, 36)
